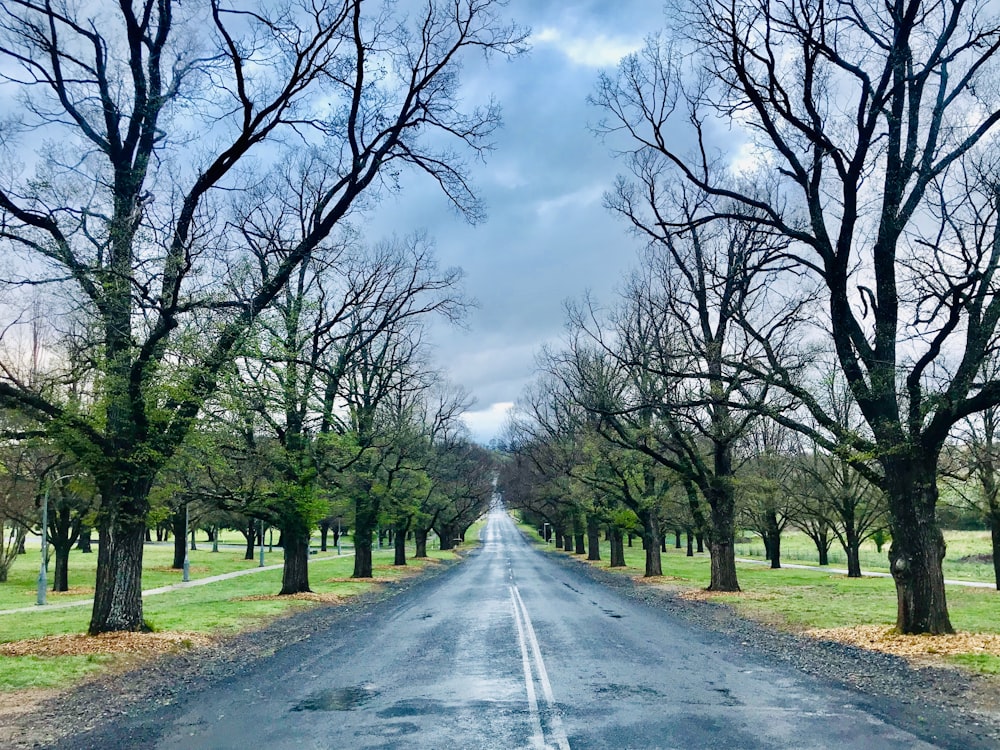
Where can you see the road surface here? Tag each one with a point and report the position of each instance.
(511, 649)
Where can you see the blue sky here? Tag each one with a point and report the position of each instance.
(548, 237)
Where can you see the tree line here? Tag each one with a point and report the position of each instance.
(182, 203)
(817, 187)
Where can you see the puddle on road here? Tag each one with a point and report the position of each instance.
(337, 699)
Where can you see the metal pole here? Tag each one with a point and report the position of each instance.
(42, 570)
(187, 561)
(261, 563)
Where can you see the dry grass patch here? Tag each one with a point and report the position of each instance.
(653, 580)
(170, 569)
(704, 595)
(306, 596)
(373, 579)
(886, 639)
(132, 644)
(72, 591)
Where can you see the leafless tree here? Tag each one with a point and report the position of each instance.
(667, 369)
(865, 133)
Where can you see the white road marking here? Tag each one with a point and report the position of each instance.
(538, 736)
(526, 637)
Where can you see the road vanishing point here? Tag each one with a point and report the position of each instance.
(513, 649)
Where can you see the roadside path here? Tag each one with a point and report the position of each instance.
(167, 589)
(866, 574)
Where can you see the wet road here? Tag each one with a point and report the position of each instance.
(513, 650)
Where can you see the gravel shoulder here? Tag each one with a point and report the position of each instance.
(968, 705)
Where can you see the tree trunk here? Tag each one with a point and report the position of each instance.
(420, 541)
(722, 536)
(581, 548)
(295, 571)
(677, 539)
(365, 518)
(690, 544)
(118, 586)
(250, 534)
(617, 549)
(178, 525)
(85, 543)
(774, 537)
(324, 532)
(651, 543)
(63, 533)
(61, 580)
(593, 540)
(824, 554)
(918, 547)
(399, 545)
(446, 537)
(568, 543)
(362, 555)
(700, 541)
(852, 549)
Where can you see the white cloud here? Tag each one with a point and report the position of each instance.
(485, 424)
(750, 159)
(598, 51)
(583, 197)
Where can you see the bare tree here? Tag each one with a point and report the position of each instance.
(866, 131)
(764, 484)
(666, 371)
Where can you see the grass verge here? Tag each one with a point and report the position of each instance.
(45, 648)
(830, 606)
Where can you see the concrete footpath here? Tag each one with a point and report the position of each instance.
(166, 589)
(866, 574)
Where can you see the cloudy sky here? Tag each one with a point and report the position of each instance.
(548, 237)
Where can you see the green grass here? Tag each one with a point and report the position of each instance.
(472, 535)
(21, 587)
(805, 599)
(796, 547)
(20, 672)
(982, 663)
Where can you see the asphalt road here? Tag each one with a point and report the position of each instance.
(512, 650)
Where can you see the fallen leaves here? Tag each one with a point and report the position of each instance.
(132, 644)
(307, 596)
(887, 640)
(703, 595)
